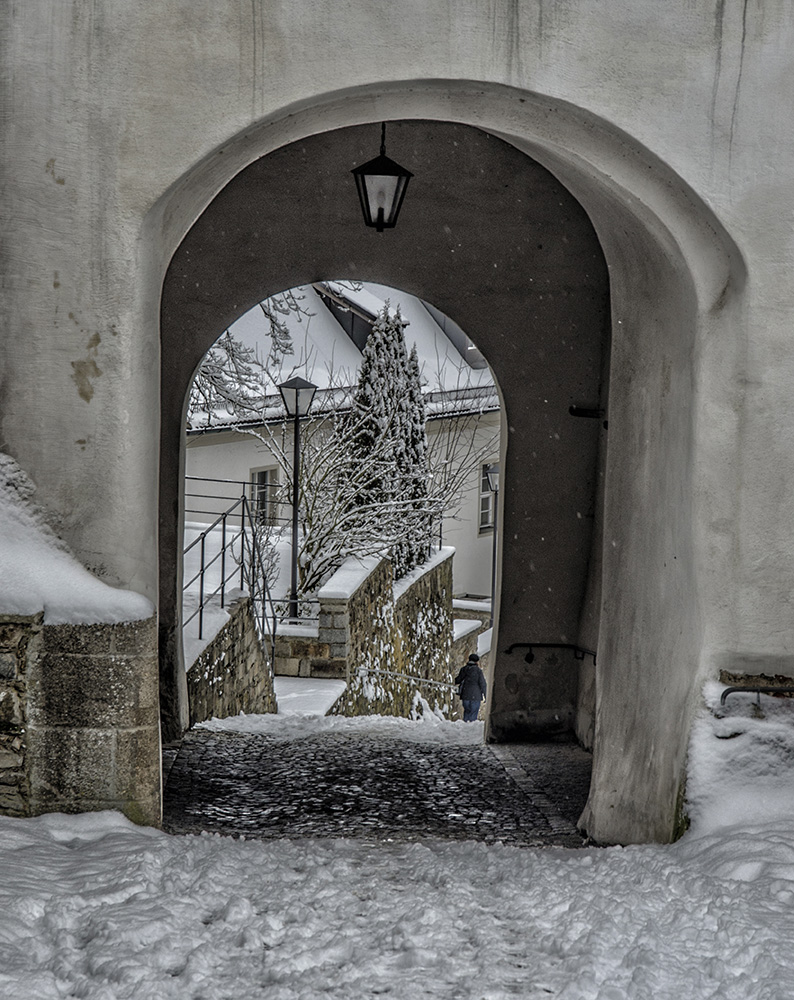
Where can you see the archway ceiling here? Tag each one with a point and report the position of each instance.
(480, 220)
(489, 237)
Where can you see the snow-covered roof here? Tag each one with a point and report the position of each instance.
(323, 351)
(456, 381)
(438, 405)
(325, 354)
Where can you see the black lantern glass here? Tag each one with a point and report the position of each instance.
(381, 185)
(297, 394)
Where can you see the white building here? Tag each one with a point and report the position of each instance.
(227, 456)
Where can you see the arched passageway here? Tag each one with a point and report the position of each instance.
(499, 245)
(674, 277)
(238, 444)
(663, 154)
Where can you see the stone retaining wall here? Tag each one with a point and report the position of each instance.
(20, 642)
(400, 637)
(471, 614)
(79, 718)
(423, 620)
(462, 648)
(232, 674)
(303, 655)
(740, 679)
(392, 643)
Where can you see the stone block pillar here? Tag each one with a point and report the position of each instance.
(335, 632)
(93, 736)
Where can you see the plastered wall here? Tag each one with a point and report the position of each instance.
(669, 123)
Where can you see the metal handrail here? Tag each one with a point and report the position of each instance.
(245, 483)
(215, 523)
(579, 652)
(209, 479)
(265, 597)
(250, 555)
(206, 564)
(758, 689)
(242, 486)
(409, 677)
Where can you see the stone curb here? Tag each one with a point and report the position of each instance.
(516, 772)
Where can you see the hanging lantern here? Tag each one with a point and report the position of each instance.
(381, 184)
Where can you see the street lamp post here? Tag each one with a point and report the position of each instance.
(492, 475)
(297, 394)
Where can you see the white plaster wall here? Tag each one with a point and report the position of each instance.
(122, 120)
(225, 455)
(112, 104)
(471, 565)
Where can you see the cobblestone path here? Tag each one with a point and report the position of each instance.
(349, 785)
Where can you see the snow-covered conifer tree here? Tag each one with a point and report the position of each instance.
(375, 414)
(388, 415)
(418, 473)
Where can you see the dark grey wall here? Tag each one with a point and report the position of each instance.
(494, 241)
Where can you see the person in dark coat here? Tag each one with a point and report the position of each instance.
(472, 687)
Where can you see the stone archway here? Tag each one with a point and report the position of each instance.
(514, 259)
(672, 271)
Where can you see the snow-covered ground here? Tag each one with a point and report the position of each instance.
(429, 728)
(92, 907)
(305, 695)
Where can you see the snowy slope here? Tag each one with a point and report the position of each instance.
(97, 909)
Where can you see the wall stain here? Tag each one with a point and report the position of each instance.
(56, 281)
(666, 377)
(50, 169)
(719, 26)
(738, 83)
(84, 371)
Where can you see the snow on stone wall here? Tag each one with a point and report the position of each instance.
(20, 638)
(399, 647)
(41, 574)
(232, 674)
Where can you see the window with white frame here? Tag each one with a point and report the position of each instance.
(486, 499)
(264, 484)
